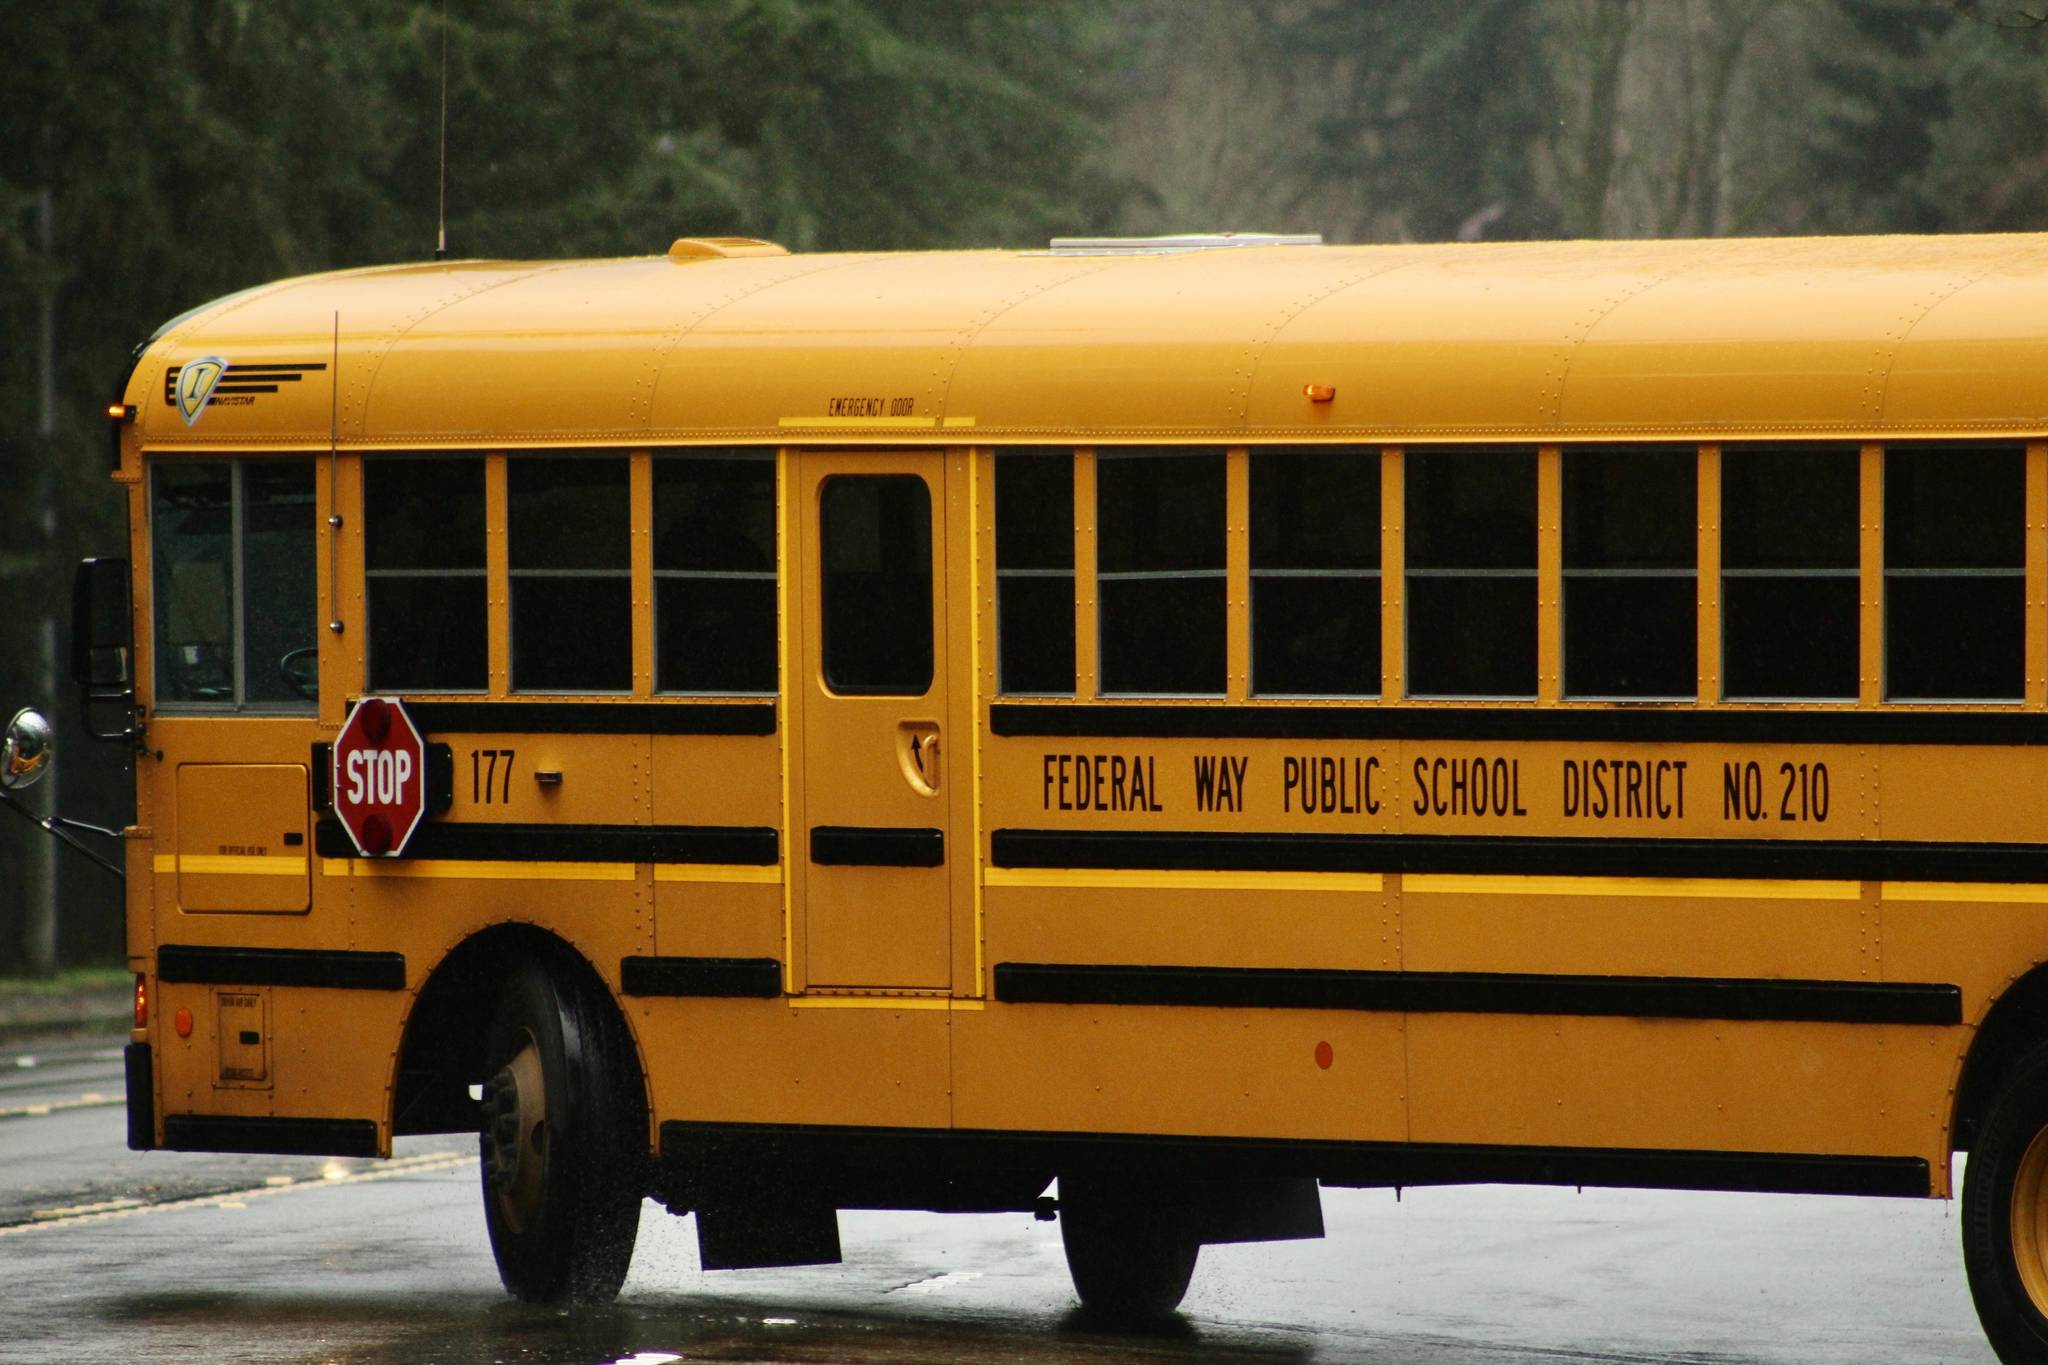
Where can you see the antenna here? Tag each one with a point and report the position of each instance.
(441, 215)
(334, 623)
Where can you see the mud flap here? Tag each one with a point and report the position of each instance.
(758, 1233)
(1264, 1209)
(140, 1068)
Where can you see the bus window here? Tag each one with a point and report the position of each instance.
(1035, 572)
(714, 573)
(1789, 578)
(1315, 566)
(1954, 573)
(236, 612)
(570, 554)
(1470, 575)
(423, 533)
(1161, 570)
(875, 536)
(1631, 556)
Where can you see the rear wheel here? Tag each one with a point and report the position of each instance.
(2005, 1215)
(564, 1140)
(1129, 1248)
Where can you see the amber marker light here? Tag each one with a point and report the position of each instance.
(141, 1001)
(120, 412)
(1319, 393)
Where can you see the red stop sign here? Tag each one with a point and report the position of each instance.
(380, 776)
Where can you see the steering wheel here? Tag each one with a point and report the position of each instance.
(300, 670)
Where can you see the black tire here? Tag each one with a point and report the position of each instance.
(2005, 1214)
(1129, 1249)
(564, 1140)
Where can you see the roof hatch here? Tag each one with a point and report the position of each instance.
(711, 248)
(1175, 245)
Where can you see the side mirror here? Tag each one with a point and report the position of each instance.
(26, 751)
(101, 648)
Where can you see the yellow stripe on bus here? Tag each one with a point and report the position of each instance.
(1996, 892)
(770, 875)
(1119, 879)
(1684, 888)
(864, 423)
(232, 864)
(882, 1002)
(479, 870)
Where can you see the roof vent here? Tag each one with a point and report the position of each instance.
(1175, 245)
(711, 248)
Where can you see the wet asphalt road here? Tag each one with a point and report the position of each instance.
(110, 1255)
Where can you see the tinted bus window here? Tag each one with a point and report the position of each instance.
(423, 532)
(1315, 564)
(1955, 573)
(875, 534)
(714, 573)
(236, 615)
(1160, 567)
(1789, 578)
(1035, 572)
(1631, 556)
(572, 578)
(1470, 576)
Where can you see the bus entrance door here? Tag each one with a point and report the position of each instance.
(872, 691)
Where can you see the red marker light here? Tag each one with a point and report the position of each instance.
(141, 1001)
(1325, 1055)
(182, 1022)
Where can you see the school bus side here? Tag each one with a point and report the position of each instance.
(950, 869)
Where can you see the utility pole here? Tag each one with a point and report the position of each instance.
(39, 889)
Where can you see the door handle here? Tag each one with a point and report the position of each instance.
(917, 750)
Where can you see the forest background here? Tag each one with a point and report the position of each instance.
(155, 154)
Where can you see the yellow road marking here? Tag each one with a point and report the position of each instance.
(236, 1199)
(89, 1100)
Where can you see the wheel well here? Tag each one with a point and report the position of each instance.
(442, 1052)
(2017, 1022)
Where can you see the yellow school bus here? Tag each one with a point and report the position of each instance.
(1191, 719)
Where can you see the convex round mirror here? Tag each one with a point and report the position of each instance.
(25, 753)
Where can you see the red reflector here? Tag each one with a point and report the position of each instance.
(1325, 1055)
(141, 1001)
(182, 1022)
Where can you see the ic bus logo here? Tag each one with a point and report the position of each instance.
(201, 384)
(195, 384)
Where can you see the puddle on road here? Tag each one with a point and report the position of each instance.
(389, 1330)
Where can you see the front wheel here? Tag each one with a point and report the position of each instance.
(2005, 1215)
(564, 1139)
(1129, 1248)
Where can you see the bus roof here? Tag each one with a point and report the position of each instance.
(1879, 337)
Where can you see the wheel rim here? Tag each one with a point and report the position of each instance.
(516, 1135)
(2030, 1221)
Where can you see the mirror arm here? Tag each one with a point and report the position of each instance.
(91, 697)
(51, 825)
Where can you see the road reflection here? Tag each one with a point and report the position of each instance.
(442, 1330)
